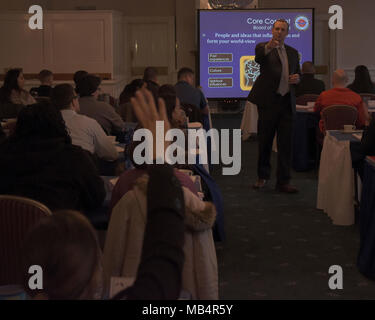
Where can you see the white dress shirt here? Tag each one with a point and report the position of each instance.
(89, 135)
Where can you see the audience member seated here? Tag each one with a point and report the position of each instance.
(65, 244)
(104, 113)
(125, 109)
(150, 76)
(45, 88)
(188, 94)
(39, 162)
(84, 131)
(176, 119)
(122, 253)
(340, 95)
(12, 90)
(308, 83)
(362, 81)
(78, 75)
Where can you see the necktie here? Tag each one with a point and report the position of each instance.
(284, 81)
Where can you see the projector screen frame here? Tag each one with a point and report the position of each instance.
(243, 10)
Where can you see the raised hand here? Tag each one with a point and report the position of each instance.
(273, 43)
(147, 114)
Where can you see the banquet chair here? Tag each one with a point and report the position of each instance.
(336, 116)
(304, 99)
(17, 216)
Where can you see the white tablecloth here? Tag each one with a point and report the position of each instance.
(249, 123)
(336, 181)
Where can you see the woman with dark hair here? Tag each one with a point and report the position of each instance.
(38, 161)
(176, 115)
(12, 90)
(125, 109)
(130, 89)
(362, 82)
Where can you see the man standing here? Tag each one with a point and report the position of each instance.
(274, 94)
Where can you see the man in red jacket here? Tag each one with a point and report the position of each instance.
(341, 95)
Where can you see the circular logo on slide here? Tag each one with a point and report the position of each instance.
(302, 23)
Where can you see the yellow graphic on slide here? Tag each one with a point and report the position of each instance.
(249, 71)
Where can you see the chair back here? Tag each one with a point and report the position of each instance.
(17, 216)
(336, 116)
(304, 99)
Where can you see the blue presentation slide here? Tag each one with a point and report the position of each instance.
(227, 41)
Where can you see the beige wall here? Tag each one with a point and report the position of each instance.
(129, 8)
(349, 47)
(355, 43)
(186, 33)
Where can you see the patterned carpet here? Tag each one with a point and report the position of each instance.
(280, 246)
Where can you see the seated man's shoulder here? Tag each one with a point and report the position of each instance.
(87, 122)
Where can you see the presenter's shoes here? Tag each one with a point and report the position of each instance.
(286, 188)
(260, 184)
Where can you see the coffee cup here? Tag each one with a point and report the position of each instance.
(349, 127)
(311, 104)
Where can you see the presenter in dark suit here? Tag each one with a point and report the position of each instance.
(274, 94)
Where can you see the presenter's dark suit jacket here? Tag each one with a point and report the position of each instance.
(267, 83)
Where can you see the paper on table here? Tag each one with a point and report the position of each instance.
(371, 103)
(357, 136)
(305, 108)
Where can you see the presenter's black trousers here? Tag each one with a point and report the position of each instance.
(275, 117)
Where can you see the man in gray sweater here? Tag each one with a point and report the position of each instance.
(104, 113)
